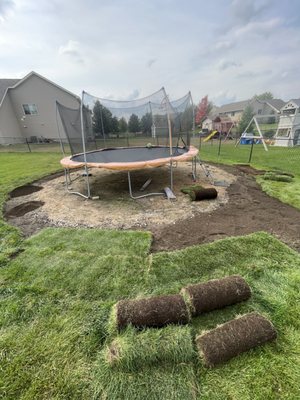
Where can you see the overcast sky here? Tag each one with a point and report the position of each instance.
(124, 49)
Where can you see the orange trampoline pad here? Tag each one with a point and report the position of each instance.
(130, 158)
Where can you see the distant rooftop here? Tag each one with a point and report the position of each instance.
(237, 106)
(6, 83)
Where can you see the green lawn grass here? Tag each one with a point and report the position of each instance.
(57, 297)
(17, 169)
(276, 158)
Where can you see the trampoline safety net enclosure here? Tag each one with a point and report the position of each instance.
(127, 135)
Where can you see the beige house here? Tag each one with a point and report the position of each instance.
(260, 107)
(28, 108)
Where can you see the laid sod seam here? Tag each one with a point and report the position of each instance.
(133, 350)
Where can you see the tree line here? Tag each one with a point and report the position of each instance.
(104, 123)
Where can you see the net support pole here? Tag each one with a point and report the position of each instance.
(170, 142)
(193, 109)
(84, 148)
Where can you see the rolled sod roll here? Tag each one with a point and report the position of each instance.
(217, 293)
(203, 194)
(154, 311)
(234, 337)
(132, 351)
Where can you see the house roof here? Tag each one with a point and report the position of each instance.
(222, 118)
(276, 104)
(237, 106)
(5, 84)
(296, 101)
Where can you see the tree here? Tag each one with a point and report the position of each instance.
(102, 119)
(146, 123)
(264, 96)
(123, 126)
(115, 125)
(201, 110)
(97, 118)
(245, 119)
(134, 123)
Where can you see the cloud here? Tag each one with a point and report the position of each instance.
(225, 64)
(6, 6)
(262, 28)
(224, 97)
(245, 10)
(223, 45)
(71, 50)
(133, 95)
(254, 74)
(151, 62)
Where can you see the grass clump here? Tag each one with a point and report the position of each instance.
(133, 350)
(271, 176)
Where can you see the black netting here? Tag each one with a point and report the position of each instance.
(71, 122)
(108, 123)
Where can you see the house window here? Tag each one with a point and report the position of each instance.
(289, 111)
(233, 113)
(284, 132)
(30, 109)
(259, 112)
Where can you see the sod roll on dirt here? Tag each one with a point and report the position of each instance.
(133, 350)
(156, 311)
(233, 338)
(203, 194)
(217, 293)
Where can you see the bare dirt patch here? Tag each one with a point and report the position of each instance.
(24, 208)
(115, 209)
(25, 190)
(241, 208)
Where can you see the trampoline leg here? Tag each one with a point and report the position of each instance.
(144, 195)
(67, 176)
(171, 175)
(194, 169)
(87, 182)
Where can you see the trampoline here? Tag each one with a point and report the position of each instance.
(133, 135)
(130, 158)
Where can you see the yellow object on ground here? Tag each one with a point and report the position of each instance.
(210, 136)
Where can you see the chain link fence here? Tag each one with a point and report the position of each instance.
(217, 150)
(231, 151)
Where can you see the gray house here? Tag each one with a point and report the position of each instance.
(260, 107)
(28, 108)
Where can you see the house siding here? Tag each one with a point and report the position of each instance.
(10, 131)
(44, 94)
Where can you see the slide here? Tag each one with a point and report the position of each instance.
(210, 136)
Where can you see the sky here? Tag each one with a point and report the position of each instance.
(229, 50)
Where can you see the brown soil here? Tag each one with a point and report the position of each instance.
(217, 293)
(234, 337)
(241, 208)
(25, 190)
(24, 208)
(155, 311)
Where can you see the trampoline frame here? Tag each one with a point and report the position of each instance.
(86, 167)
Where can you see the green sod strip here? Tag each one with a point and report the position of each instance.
(167, 382)
(56, 298)
(133, 350)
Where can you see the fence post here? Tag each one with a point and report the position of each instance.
(219, 149)
(28, 145)
(251, 151)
